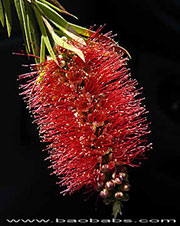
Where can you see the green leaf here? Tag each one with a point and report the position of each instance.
(18, 10)
(44, 33)
(1, 13)
(7, 11)
(81, 30)
(50, 13)
(72, 35)
(57, 6)
(32, 32)
(64, 44)
(20, 17)
(23, 5)
(59, 22)
(42, 50)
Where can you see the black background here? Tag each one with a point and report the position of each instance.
(149, 30)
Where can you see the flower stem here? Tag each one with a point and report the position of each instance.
(117, 209)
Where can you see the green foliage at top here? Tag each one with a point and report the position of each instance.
(41, 23)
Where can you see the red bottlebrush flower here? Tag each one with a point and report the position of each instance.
(90, 115)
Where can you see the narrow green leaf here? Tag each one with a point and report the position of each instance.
(1, 13)
(59, 22)
(44, 33)
(42, 50)
(25, 23)
(59, 32)
(32, 32)
(71, 35)
(56, 3)
(50, 13)
(81, 30)
(18, 10)
(63, 44)
(8, 17)
(19, 13)
(28, 26)
(57, 6)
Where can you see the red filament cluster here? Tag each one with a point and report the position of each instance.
(88, 113)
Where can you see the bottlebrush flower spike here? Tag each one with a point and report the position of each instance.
(90, 116)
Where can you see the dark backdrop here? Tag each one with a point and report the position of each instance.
(149, 30)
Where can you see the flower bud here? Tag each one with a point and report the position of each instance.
(104, 193)
(125, 187)
(122, 176)
(118, 180)
(114, 175)
(62, 63)
(118, 195)
(109, 185)
(60, 57)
